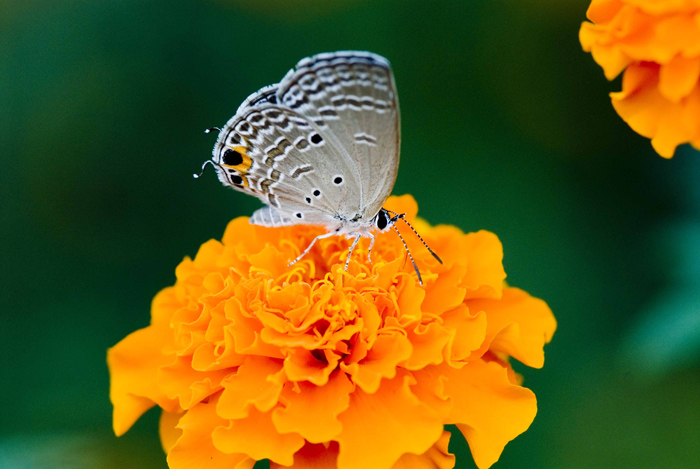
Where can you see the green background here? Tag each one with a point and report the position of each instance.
(507, 126)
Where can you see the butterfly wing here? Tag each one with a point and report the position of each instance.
(287, 161)
(351, 97)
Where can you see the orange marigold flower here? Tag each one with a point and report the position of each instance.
(657, 44)
(310, 365)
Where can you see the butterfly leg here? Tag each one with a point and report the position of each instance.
(369, 252)
(306, 251)
(354, 243)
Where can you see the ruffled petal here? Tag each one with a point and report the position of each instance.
(313, 456)
(312, 411)
(257, 437)
(375, 426)
(485, 275)
(168, 430)
(444, 293)
(257, 383)
(518, 325)
(381, 361)
(180, 381)
(428, 341)
(488, 409)
(678, 78)
(315, 367)
(437, 457)
(468, 333)
(195, 447)
(133, 365)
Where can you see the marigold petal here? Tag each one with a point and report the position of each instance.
(312, 411)
(444, 292)
(180, 381)
(213, 356)
(429, 388)
(428, 341)
(386, 353)
(134, 387)
(258, 382)
(168, 430)
(269, 261)
(409, 298)
(164, 303)
(239, 232)
(195, 447)
(315, 367)
(643, 107)
(313, 456)
(192, 271)
(488, 409)
(256, 436)
(375, 426)
(246, 329)
(437, 457)
(485, 275)
(612, 59)
(518, 325)
(468, 328)
(602, 11)
(678, 78)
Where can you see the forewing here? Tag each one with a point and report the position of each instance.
(351, 97)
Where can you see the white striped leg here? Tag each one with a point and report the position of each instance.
(306, 251)
(354, 243)
(369, 253)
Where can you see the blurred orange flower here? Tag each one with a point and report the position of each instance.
(657, 44)
(312, 366)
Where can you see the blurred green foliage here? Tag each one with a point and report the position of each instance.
(506, 126)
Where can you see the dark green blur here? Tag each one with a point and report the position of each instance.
(506, 127)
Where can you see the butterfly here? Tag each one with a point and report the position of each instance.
(321, 147)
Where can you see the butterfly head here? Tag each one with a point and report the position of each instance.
(384, 221)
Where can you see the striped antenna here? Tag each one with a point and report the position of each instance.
(397, 216)
(420, 280)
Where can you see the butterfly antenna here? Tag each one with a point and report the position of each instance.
(420, 280)
(397, 216)
(421, 239)
(212, 129)
(203, 166)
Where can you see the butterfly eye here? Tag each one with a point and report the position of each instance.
(382, 220)
(232, 158)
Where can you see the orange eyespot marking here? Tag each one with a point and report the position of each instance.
(236, 158)
(237, 180)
